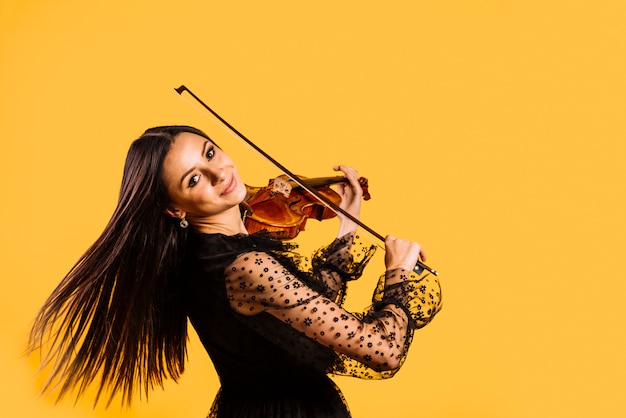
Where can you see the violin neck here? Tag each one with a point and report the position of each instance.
(320, 181)
(313, 182)
(327, 181)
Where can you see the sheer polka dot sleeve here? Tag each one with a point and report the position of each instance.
(371, 344)
(341, 262)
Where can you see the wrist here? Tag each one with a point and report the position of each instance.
(346, 227)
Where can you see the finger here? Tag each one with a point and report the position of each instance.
(353, 186)
(349, 172)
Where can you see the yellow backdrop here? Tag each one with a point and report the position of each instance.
(492, 132)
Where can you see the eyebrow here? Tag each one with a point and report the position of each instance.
(186, 173)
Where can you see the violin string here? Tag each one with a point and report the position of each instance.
(335, 208)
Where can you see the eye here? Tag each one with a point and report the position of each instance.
(194, 180)
(210, 153)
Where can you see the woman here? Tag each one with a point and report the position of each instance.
(176, 248)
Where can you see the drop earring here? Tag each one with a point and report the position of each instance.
(183, 223)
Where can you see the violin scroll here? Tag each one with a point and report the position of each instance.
(365, 187)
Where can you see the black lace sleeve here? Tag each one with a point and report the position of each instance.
(340, 262)
(371, 344)
(418, 298)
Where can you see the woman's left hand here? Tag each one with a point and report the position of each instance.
(351, 195)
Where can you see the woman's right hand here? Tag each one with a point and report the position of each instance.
(402, 253)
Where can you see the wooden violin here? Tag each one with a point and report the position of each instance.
(283, 207)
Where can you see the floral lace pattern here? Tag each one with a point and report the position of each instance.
(372, 344)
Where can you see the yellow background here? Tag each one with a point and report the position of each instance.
(493, 132)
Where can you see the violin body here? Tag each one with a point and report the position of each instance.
(282, 207)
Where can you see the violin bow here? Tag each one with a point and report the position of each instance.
(419, 268)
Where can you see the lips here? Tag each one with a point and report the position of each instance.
(230, 186)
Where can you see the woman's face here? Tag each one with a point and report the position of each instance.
(202, 181)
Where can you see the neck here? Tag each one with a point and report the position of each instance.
(228, 223)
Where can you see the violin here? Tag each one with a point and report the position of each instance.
(283, 207)
(419, 267)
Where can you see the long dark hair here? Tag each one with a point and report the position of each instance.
(118, 317)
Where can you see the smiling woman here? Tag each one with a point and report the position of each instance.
(176, 248)
(209, 190)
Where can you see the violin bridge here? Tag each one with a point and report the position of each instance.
(282, 186)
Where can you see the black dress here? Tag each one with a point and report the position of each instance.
(273, 324)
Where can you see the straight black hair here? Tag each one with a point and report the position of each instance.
(118, 318)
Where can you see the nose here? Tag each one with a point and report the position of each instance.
(216, 173)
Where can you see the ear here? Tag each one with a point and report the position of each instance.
(175, 213)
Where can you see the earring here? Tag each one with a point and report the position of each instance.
(183, 223)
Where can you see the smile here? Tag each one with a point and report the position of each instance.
(230, 186)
